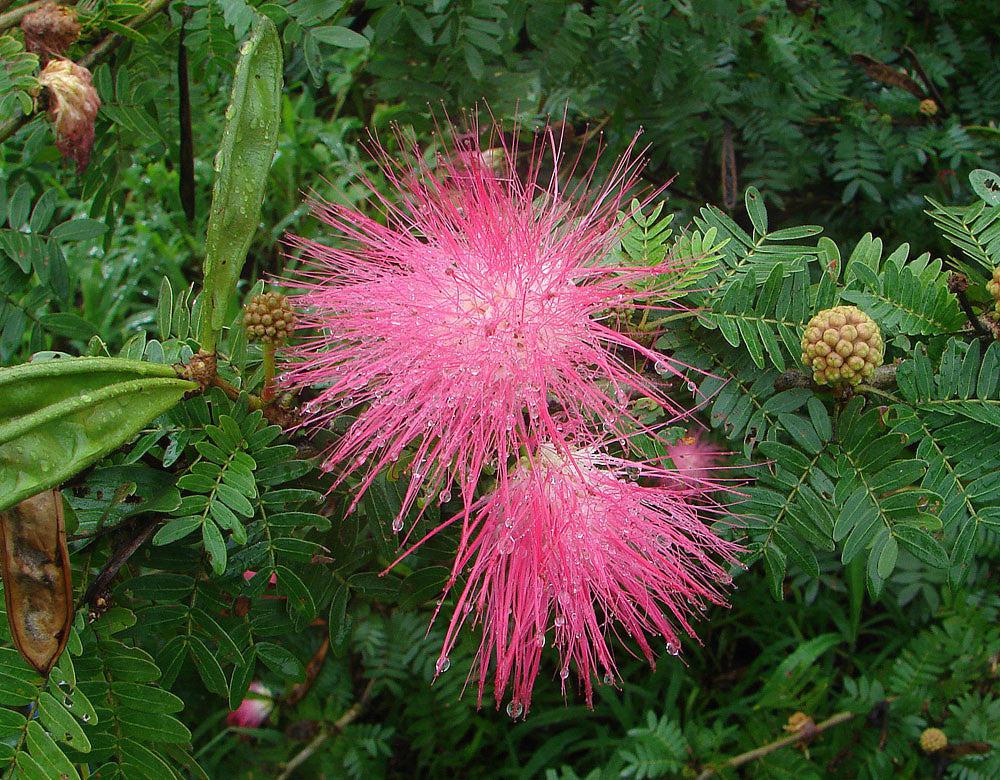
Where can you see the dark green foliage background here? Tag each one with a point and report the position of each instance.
(852, 596)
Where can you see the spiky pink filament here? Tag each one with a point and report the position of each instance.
(483, 302)
(571, 548)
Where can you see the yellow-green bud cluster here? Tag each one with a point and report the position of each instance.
(932, 740)
(269, 317)
(993, 287)
(842, 346)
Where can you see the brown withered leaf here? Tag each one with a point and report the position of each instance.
(36, 576)
(73, 105)
(879, 71)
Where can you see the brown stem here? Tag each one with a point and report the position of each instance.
(342, 723)
(133, 538)
(13, 18)
(959, 284)
(792, 739)
(928, 84)
(312, 672)
(885, 376)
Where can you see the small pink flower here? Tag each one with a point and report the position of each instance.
(693, 456)
(254, 709)
(571, 551)
(249, 574)
(483, 299)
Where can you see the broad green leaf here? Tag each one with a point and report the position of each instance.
(249, 139)
(58, 417)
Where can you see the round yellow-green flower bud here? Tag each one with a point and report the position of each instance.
(269, 317)
(993, 287)
(932, 740)
(842, 346)
(928, 107)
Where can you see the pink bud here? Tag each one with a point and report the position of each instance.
(254, 709)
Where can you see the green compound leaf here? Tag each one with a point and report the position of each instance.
(60, 416)
(242, 164)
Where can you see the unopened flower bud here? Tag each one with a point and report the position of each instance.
(993, 287)
(932, 740)
(50, 30)
(842, 346)
(269, 317)
(928, 107)
(799, 721)
(73, 104)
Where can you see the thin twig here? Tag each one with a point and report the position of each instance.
(13, 18)
(958, 284)
(342, 723)
(930, 85)
(133, 537)
(885, 376)
(792, 739)
(313, 668)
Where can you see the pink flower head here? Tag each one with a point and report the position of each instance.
(693, 456)
(254, 709)
(570, 550)
(484, 298)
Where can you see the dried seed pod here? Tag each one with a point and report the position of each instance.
(842, 346)
(37, 582)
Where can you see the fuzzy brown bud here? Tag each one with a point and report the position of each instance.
(269, 317)
(50, 30)
(928, 107)
(799, 722)
(842, 346)
(932, 740)
(993, 288)
(73, 104)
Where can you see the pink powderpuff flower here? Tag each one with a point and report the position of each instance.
(484, 298)
(573, 550)
(254, 709)
(693, 456)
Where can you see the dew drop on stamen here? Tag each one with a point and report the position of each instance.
(514, 709)
(397, 525)
(443, 664)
